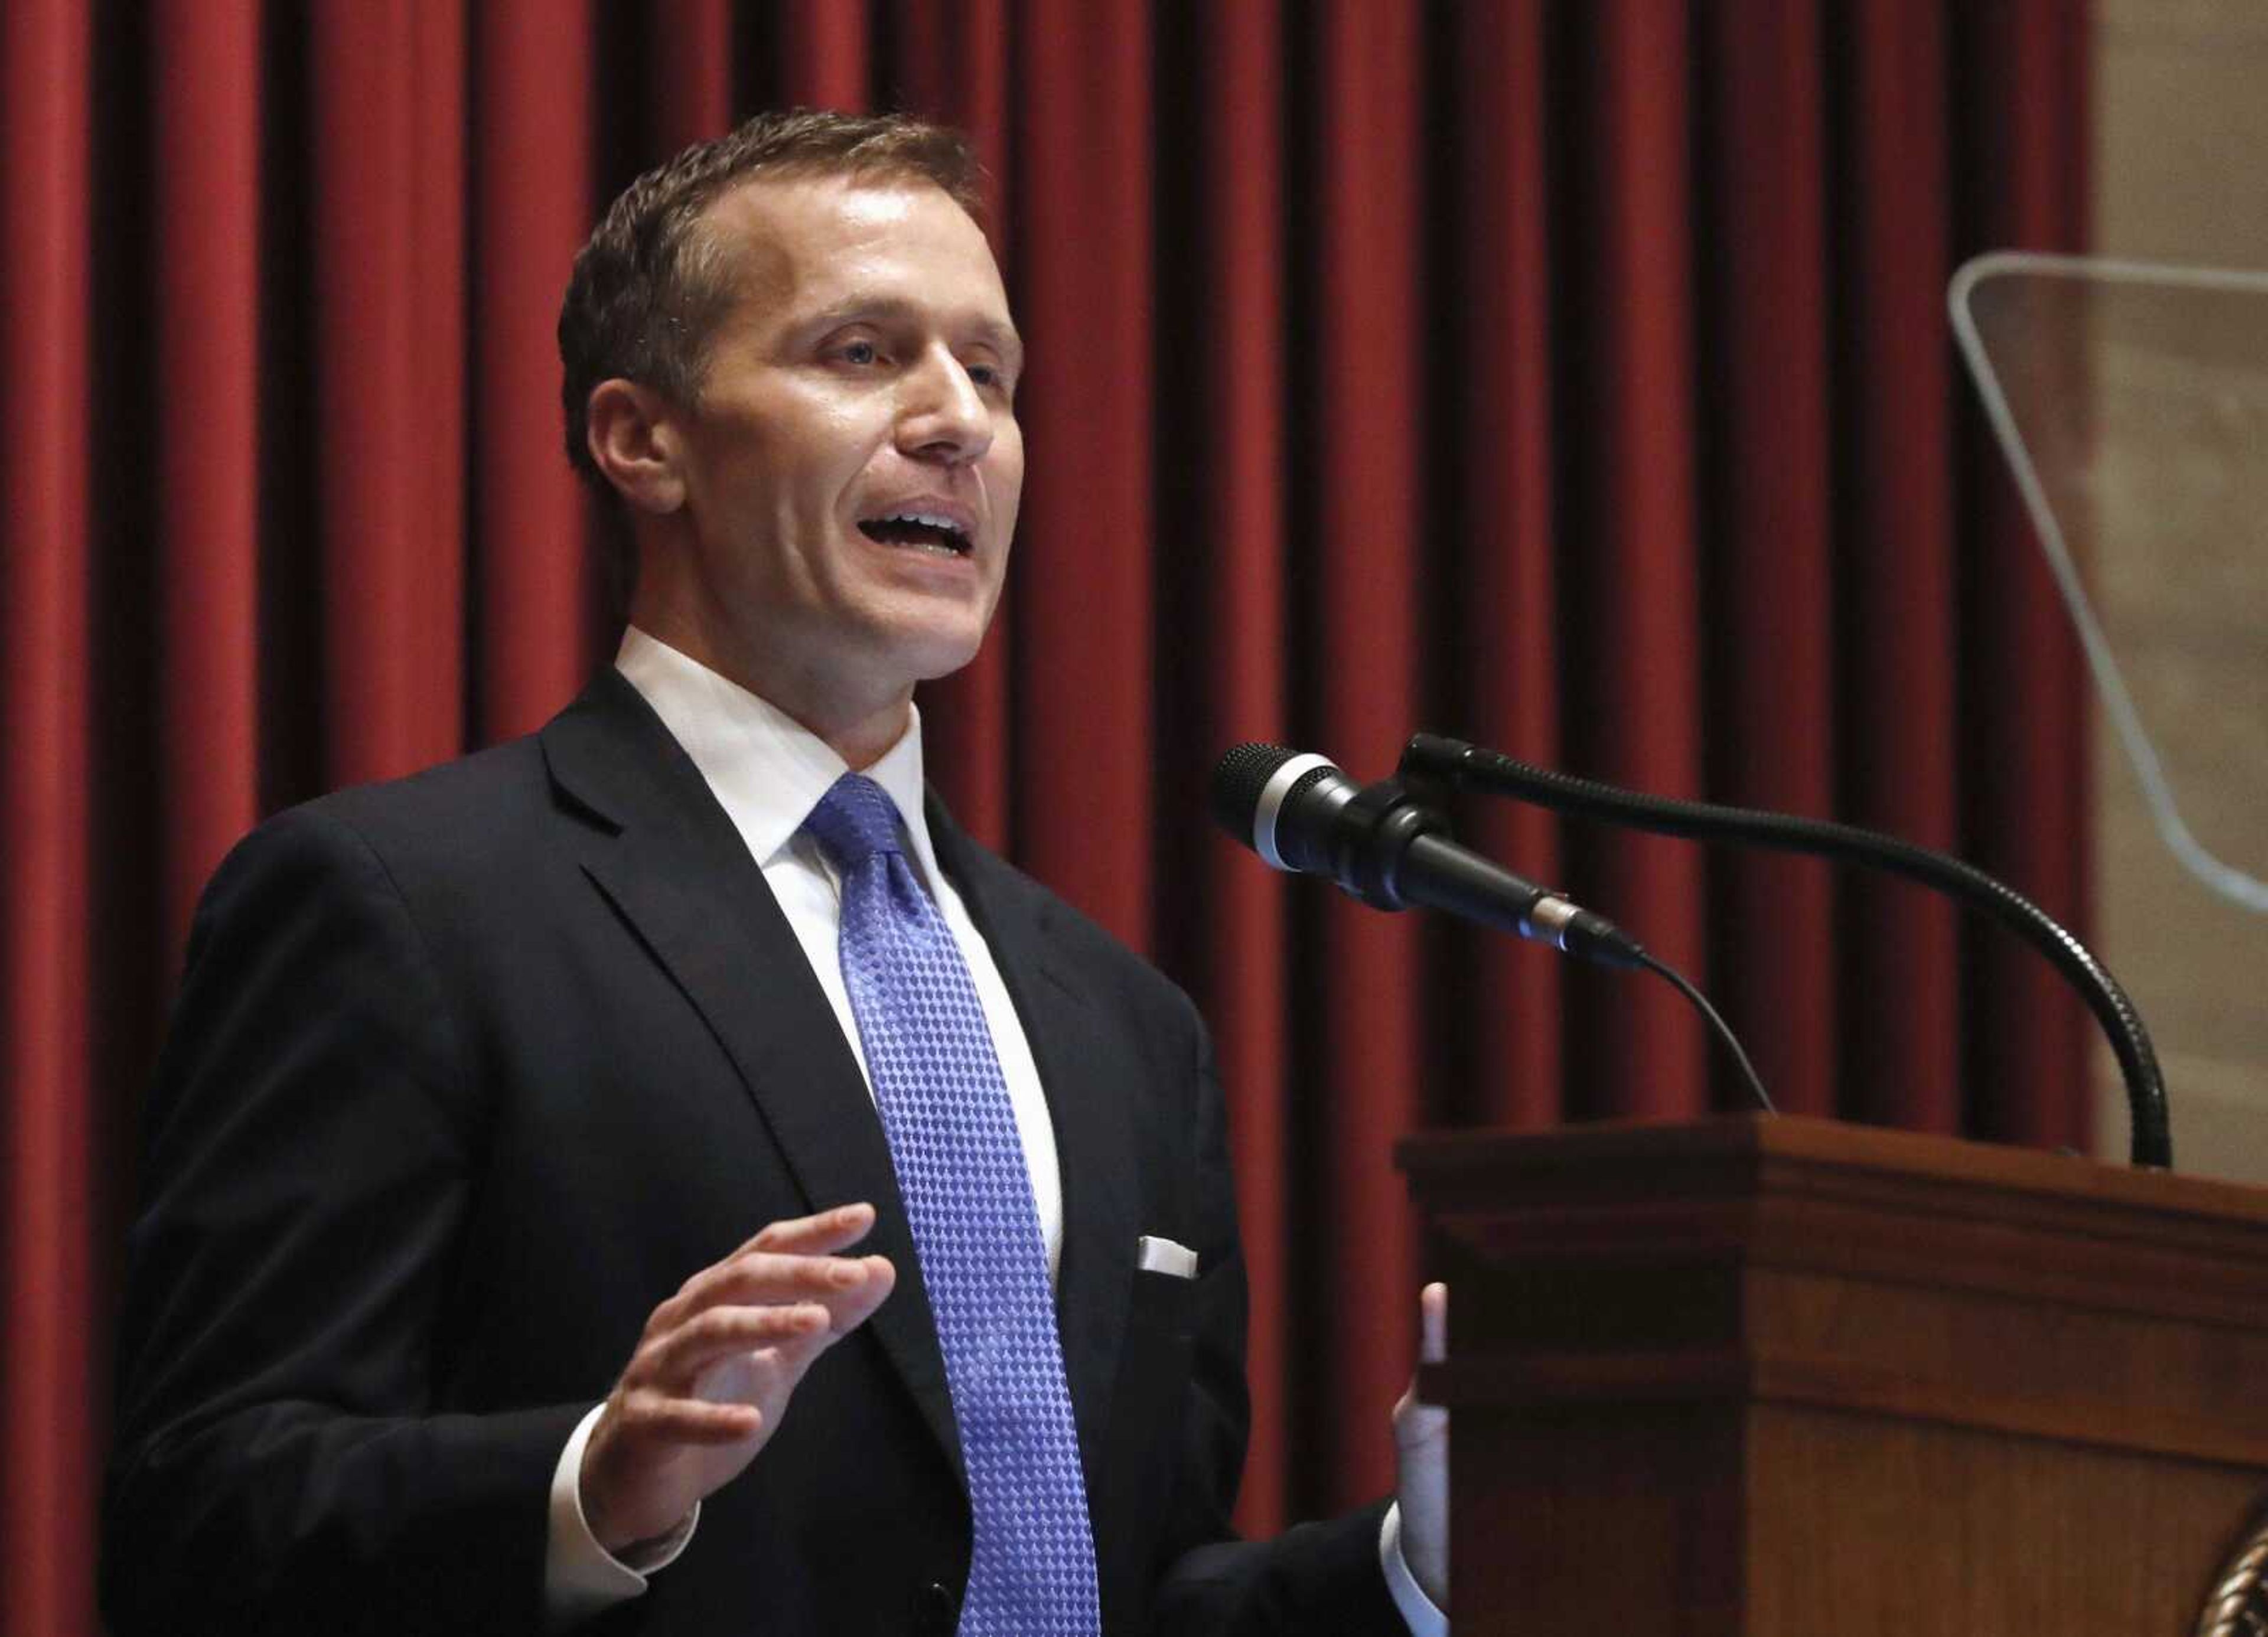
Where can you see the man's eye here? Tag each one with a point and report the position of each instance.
(859, 352)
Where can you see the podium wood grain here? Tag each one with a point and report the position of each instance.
(1763, 1377)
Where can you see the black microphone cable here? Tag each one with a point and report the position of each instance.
(1716, 1020)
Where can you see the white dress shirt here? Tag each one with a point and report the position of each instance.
(768, 772)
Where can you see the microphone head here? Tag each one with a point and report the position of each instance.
(1255, 786)
(1238, 780)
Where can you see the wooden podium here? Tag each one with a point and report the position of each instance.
(1786, 1377)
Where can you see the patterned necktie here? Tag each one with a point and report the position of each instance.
(952, 1140)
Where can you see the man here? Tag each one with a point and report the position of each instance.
(686, 1033)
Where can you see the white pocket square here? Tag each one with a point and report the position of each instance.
(1153, 1255)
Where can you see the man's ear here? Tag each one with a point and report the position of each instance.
(634, 439)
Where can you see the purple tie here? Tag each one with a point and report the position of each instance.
(961, 1167)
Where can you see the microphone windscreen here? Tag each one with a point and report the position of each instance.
(1238, 779)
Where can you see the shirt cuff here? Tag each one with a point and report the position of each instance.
(581, 1578)
(1417, 1609)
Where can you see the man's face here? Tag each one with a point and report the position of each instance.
(852, 462)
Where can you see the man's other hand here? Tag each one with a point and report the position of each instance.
(714, 1368)
(1421, 1453)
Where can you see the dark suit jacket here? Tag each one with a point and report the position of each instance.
(471, 1071)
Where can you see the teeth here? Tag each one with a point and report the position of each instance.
(926, 518)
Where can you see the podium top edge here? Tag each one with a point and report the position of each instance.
(1606, 1146)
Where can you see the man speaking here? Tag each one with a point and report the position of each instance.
(661, 1175)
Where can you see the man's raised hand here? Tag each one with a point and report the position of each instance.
(713, 1372)
(1421, 1451)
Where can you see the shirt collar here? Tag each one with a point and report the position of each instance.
(767, 769)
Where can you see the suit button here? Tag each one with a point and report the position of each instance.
(936, 1610)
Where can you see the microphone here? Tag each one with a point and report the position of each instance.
(1382, 846)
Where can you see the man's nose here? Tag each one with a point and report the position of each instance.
(945, 417)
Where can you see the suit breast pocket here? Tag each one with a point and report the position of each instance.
(1160, 1304)
(1153, 1381)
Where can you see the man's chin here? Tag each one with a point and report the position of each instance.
(936, 642)
(943, 660)
(895, 658)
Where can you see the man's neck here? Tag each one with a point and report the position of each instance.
(859, 730)
(863, 743)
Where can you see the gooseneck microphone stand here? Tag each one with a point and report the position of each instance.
(1434, 766)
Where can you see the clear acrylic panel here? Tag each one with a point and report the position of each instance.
(2131, 401)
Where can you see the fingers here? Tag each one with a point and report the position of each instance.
(815, 1234)
(855, 1304)
(1416, 1420)
(791, 1261)
(798, 1334)
(717, 1367)
(784, 1296)
(694, 1421)
(850, 1287)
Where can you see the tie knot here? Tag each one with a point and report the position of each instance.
(853, 821)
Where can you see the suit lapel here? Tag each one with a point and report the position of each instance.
(1092, 1113)
(667, 858)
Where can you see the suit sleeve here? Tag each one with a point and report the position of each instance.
(1320, 1578)
(281, 1462)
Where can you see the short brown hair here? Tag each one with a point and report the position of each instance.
(644, 296)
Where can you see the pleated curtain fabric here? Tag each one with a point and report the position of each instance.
(1571, 378)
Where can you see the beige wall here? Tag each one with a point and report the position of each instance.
(2181, 168)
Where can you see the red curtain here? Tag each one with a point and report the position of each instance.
(1569, 377)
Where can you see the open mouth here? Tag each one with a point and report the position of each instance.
(919, 531)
